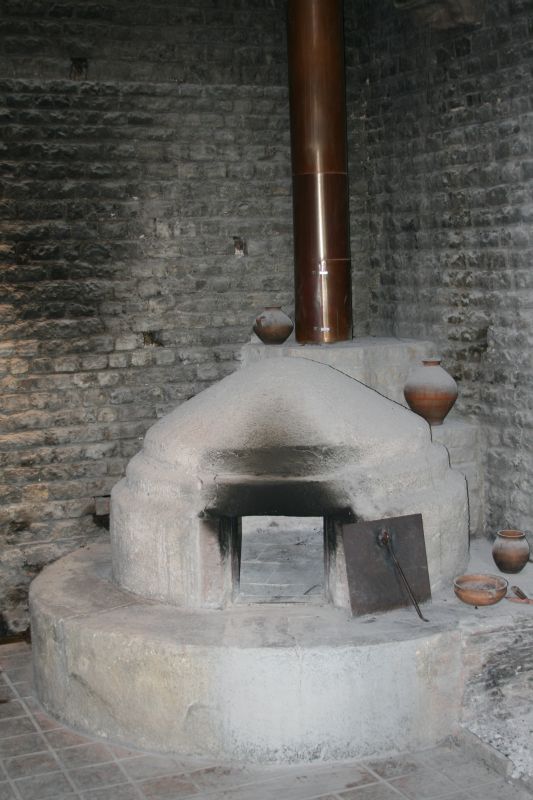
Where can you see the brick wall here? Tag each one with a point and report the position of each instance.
(447, 168)
(121, 194)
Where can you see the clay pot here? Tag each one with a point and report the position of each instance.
(430, 391)
(273, 326)
(480, 590)
(510, 550)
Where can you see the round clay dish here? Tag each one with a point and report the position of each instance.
(480, 590)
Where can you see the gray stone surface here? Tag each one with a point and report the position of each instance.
(121, 773)
(259, 683)
(466, 445)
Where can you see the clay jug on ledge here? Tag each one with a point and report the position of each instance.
(430, 391)
(273, 326)
(510, 551)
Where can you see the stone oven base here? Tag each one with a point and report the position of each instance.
(259, 682)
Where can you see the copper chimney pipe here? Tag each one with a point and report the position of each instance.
(319, 171)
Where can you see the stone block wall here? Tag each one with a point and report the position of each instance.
(124, 181)
(448, 167)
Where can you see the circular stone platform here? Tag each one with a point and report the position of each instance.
(254, 682)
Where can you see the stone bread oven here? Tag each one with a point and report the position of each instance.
(155, 653)
(282, 437)
(142, 642)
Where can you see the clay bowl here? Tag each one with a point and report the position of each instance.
(480, 590)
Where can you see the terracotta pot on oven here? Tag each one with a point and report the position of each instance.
(273, 326)
(430, 391)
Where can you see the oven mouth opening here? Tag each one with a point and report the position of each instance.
(282, 560)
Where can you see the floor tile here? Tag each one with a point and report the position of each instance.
(20, 745)
(45, 722)
(444, 755)
(288, 787)
(61, 737)
(337, 777)
(395, 767)
(223, 777)
(16, 727)
(20, 673)
(13, 708)
(499, 790)
(468, 774)
(462, 794)
(13, 661)
(6, 792)
(25, 689)
(96, 776)
(169, 787)
(41, 786)
(142, 767)
(6, 693)
(124, 752)
(378, 791)
(125, 791)
(328, 797)
(84, 755)
(424, 784)
(35, 764)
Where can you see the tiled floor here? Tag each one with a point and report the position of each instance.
(41, 759)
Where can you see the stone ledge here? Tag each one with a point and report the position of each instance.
(257, 682)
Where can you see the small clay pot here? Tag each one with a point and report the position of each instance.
(510, 551)
(480, 590)
(430, 391)
(273, 326)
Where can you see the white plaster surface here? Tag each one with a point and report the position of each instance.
(282, 436)
(465, 444)
(259, 683)
(382, 363)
